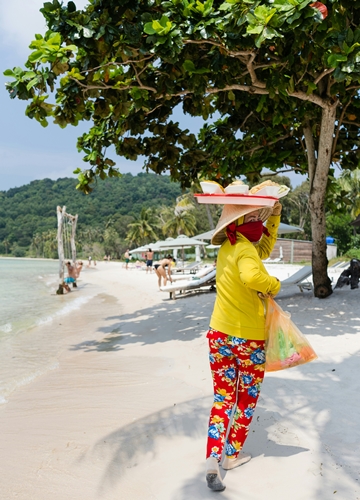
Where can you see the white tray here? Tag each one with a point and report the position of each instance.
(236, 199)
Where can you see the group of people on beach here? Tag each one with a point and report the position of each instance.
(162, 268)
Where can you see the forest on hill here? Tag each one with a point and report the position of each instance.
(28, 218)
(31, 209)
(135, 210)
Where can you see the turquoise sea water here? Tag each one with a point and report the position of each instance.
(28, 307)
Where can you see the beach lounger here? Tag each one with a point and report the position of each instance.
(298, 279)
(189, 268)
(190, 284)
(202, 272)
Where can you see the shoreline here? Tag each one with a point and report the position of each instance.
(124, 416)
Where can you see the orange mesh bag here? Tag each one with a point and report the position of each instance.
(285, 345)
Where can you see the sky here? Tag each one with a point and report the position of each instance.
(27, 150)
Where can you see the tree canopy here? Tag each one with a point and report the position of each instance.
(282, 74)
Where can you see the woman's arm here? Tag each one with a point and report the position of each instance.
(267, 243)
(253, 277)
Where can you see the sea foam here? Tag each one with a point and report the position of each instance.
(72, 306)
(6, 328)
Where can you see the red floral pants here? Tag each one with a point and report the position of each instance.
(237, 368)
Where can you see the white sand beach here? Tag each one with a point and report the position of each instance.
(124, 415)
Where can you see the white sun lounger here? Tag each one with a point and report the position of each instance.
(298, 279)
(191, 284)
(189, 268)
(203, 272)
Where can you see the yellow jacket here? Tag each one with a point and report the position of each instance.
(240, 275)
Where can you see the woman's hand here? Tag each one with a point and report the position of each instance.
(264, 295)
(277, 208)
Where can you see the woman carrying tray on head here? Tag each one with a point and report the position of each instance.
(237, 330)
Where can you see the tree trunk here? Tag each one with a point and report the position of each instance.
(318, 176)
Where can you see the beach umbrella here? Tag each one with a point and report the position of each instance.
(182, 241)
(286, 228)
(138, 250)
(144, 248)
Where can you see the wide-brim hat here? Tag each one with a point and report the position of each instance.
(230, 214)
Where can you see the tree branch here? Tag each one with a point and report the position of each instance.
(351, 123)
(115, 63)
(220, 45)
(340, 122)
(245, 120)
(251, 70)
(105, 87)
(256, 148)
(324, 73)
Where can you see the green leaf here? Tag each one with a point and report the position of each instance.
(348, 67)
(36, 55)
(71, 6)
(254, 30)
(32, 82)
(311, 86)
(189, 66)
(87, 32)
(334, 59)
(148, 28)
(291, 86)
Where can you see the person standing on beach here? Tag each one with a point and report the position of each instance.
(78, 268)
(149, 260)
(236, 334)
(73, 273)
(160, 270)
(127, 258)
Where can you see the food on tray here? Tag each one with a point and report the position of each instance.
(237, 187)
(257, 188)
(211, 187)
(270, 188)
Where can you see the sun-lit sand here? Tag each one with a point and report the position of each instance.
(124, 416)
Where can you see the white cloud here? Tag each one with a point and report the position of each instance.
(20, 20)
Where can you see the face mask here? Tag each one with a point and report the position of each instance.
(253, 231)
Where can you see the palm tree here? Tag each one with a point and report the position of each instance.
(179, 222)
(6, 244)
(350, 182)
(143, 230)
(37, 243)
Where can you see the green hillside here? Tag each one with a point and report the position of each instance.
(31, 209)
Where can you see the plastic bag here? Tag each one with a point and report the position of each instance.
(285, 345)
